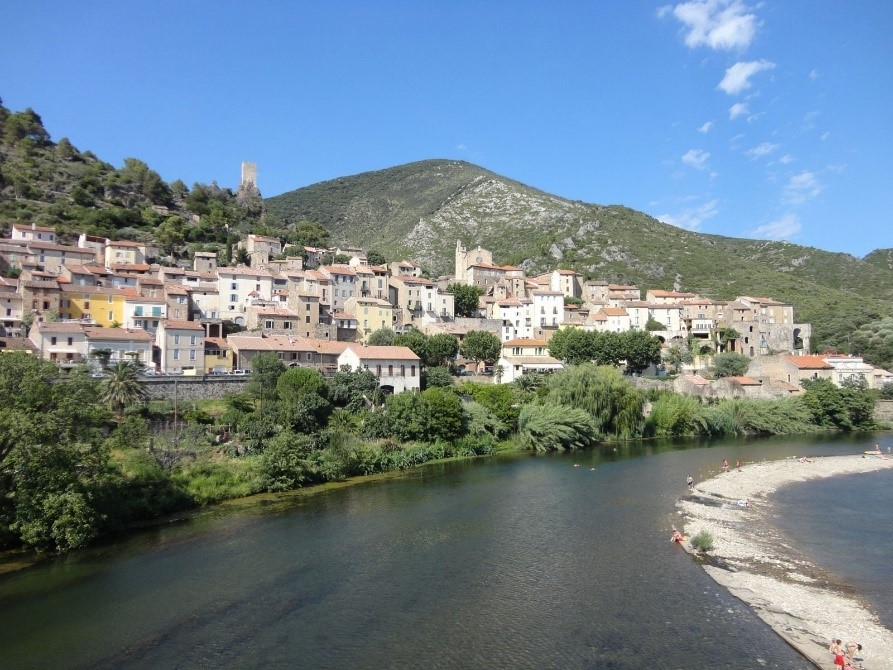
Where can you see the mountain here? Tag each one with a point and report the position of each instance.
(420, 210)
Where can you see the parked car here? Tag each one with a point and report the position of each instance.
(240, 372)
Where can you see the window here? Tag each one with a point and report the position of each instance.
(378, 370)
(412, 370)
(52, 340)
(234, 286)
(192, 355)
(176, 354)
(193, 340)
(86, 304)
(110, 300)
(70, 341)
(390, 371)
(176, 339)
(268, 323)
(111, 315)
(234, 298)
(402, 370)
(46, 304)
(307, 318)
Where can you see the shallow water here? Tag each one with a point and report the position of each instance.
(845, 525)
(525, 562)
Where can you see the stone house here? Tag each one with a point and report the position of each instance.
(789, 369)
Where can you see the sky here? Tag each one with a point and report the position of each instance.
(766, 120)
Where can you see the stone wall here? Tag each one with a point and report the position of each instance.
(208, 387)
(883, 411)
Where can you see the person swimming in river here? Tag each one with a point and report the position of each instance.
(676, 536)
(691, 483)
(725, 465)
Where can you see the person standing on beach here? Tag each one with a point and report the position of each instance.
(725, 465)
(836, 650)
(851, 649)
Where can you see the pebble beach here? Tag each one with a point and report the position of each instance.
(804, 604)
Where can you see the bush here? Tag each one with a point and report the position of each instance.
(703, 541)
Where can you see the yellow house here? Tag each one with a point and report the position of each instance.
(100, 305)
(371, 314)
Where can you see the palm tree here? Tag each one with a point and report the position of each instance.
(122, 387)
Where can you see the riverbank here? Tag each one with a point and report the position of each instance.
(802, 603)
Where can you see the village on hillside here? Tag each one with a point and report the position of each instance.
(70, 301)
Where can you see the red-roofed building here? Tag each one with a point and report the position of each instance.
(398, 369)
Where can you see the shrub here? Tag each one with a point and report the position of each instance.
(703, 541)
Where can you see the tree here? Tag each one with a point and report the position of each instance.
(653, 324)
(436, 377)
(415, 340)
(466, 298)
(615, 406)
(442, 349)
(308, 234)
(122, 388)
(573, 346)
(874, 342)
(375, 258)
(297, 382)
(265, 371)
(383, 337)
(353, 389)
(849, 407)
(242, 257)
(730, 364)
(554, 427)
(480, 345)
(639, 350)
(676, 356)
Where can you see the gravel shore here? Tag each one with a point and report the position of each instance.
(801, 602)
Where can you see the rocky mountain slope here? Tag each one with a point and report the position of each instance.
(419, 210)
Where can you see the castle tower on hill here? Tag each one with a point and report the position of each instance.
(249, 174)
(465, 258)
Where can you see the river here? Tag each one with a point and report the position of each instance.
(556, 561)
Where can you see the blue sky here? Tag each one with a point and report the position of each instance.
(769, 120)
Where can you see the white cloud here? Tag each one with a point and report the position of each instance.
(787, 158)
(813, 75)
(780, 229)
(824, 136)
(691, 218)
(706, 127)
(762, 149)
(738, 109)
(461, 147)
(717, 24)
(738, 76)
(697, 158)
(801, 187)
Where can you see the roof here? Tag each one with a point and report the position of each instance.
(118, 334)
(285, 343)
(745, 381)
(17, 344)
(124, 243)
(535, 361)
(384, 353)
(614, 311)
(31, 226)
(697, 380)
(809, 362)
(244, 272)
(182, 324)
(525, 342)
(219, 342)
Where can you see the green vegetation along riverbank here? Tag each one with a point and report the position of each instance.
(81, 457)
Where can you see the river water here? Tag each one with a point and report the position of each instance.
(520, 562)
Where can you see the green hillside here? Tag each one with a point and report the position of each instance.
(56, 184)
(419, 210)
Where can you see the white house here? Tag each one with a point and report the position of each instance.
(523, 356)
(398, 368)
